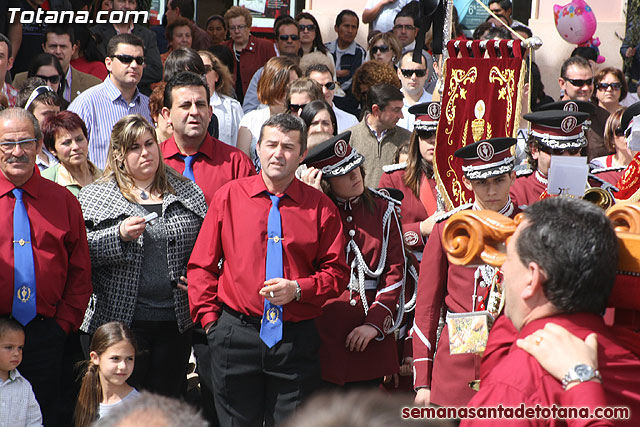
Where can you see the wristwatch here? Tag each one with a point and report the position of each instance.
(298, 290)
(580, 373)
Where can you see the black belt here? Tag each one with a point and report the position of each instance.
(252, 320)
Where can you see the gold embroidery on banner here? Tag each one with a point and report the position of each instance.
(456, 186)
(506, 78)
(458, 77)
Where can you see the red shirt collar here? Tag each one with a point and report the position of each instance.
(293, 191)
(32, 186)
(207, 148)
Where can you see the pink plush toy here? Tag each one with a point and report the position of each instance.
(577, 24)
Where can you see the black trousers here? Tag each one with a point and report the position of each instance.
(163, 355)
(203, 355)
(255, 385)
(42, 364)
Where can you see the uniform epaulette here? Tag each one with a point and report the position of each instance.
(394, 167)
(607, 169)
(524, 172)
(446, 215)
(384, 194)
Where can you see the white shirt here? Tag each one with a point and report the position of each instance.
(345, 120)
(384, 20)
(18, 404)
(253, 121)
(105, 409)
(229, 113)
(408, 120)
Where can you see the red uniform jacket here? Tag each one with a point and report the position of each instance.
(339, 317)
(443, 286)
(527, 188)
(611, 174)
(255, 54)
(412, 211)
(518, 378)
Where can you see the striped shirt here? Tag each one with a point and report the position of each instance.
(18, 405)
(100, 107)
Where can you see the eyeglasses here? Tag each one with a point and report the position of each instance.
(580, 82)
(404, 27)
(619, 132)
(296, 107)
(329, 85)
(128, 59)
(409, 73)
(613, 86)
(381, 49)
(309, 27)
(208, 68)
(559, 151)
(9, 146)
(285, 37)
(51, 79)
(238, 28)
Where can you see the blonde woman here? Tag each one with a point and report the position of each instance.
(227, 110)
(300, 93)
(139, 264)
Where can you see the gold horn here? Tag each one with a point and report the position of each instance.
(599, 197)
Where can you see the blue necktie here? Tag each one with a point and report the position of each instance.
(188, 167)
(24, 282)
(271, 328)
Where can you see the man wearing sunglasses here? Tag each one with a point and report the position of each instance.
(287, 44)
(553, 133)
(101, 106)
(413, 76)
(576, 82)
(322, 75)
(104, 32)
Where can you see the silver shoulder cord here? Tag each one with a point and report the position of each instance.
(363, 269)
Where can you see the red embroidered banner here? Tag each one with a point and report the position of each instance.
(481, 100)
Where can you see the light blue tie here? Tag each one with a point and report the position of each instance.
(271, 328)
(24, 282)
(188, 167)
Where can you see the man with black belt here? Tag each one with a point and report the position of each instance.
(45, 273)
(269, 254)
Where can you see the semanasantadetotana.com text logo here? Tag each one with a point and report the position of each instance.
(77, 17)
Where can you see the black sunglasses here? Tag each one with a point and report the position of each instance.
(296, 107)
(51, 79)
(329, 85)
(128, 59)
(285, 37)
(614, 86)
(309, 27)
(377, 49)
(409, 73)
(560, 151)
(580, 82)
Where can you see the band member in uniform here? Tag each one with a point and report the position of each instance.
(415, 178)
(553, 132)
(356, 328)
(444, 380)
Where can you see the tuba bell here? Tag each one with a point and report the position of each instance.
(599, 197)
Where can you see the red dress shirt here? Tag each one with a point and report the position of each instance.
(443, 285)
(235, 229)
(217, 164)
(60, 250)
(412, 210)
(519, 378)
(527, 189)
(339, 317)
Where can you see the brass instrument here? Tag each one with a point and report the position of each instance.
(599, 197)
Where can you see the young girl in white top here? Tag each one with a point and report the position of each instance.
(104, 385)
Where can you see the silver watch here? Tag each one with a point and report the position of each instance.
(298, 291)
(580, 373)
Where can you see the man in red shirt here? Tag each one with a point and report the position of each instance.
(259, 377)
(45, 273)
(191, 151)
(560, 268)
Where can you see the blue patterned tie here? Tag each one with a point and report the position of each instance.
(188, 167)
(271, 329)
(24, 282)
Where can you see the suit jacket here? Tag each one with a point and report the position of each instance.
(117, 265)
(153, 66)
(79, 81)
